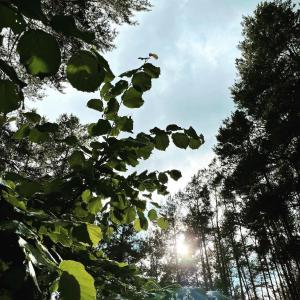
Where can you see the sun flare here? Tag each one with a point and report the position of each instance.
(182, 247)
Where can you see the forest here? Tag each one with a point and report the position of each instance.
(80, 221)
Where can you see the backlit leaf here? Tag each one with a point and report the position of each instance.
(75, 282)
(39, 53)
(132, 98)
(84, 71)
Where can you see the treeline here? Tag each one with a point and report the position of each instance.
(241, 215)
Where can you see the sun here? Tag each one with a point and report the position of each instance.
(182, 247)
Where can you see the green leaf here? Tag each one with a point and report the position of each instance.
(175, 174)
(86, 195)
(109, 76)
(161, 141)
(75, 282)
(76, 160)
(48, 127)
(10, 97)
(22, 132)
(195, 143)
(96, 104)
(39, 53)
(11, 73)
(119, 88)
(129, 73)
(12, 199)
(67, 26)
(32, 117)
(132, 98)
(95, 234)
(163, 178)
(152, 214)
(173, 127)
(125, 124)
(105, 91)
(192, 133)
(180, 140)
(95, 205)
(151, 70)
(137, 225)
(162, 223)
(141, 81)
(112, 109)
(10, 18)
(29, 188)
(31, 9)
(100, 128)
(143, 221)
(37, 136)
(84, 71)
(71, 140)
(130, 214)
(88, 233)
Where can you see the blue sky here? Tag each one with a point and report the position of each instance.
(196, 41)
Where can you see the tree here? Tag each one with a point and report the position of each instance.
(56, 221)
(259, 144)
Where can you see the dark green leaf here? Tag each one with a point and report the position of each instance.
(180, 140)
(31, 9)
(119, 87)
(112, 109)
(96, 104)
(163, 178)
(39, 53)
(22, 132)
(67, 26)
(37, 136)
(151, 70)
(124, 124)
(84, 71)
(173, 127)
(129, 73)
(29, 188)
(132, 98)
(192, 133)
(10, 18)
(161, 141)
(10, 97)
(109, 76)
(77, 160)
(32, 117)
(141, 81)
(71, 140)
(48, 127)
(105, 91)
(100, 128)
(175, 174)
(11, 73)
(195, 143)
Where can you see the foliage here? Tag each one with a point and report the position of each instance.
(66, 188)
(74, 25)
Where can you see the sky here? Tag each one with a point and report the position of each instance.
(196, 41)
